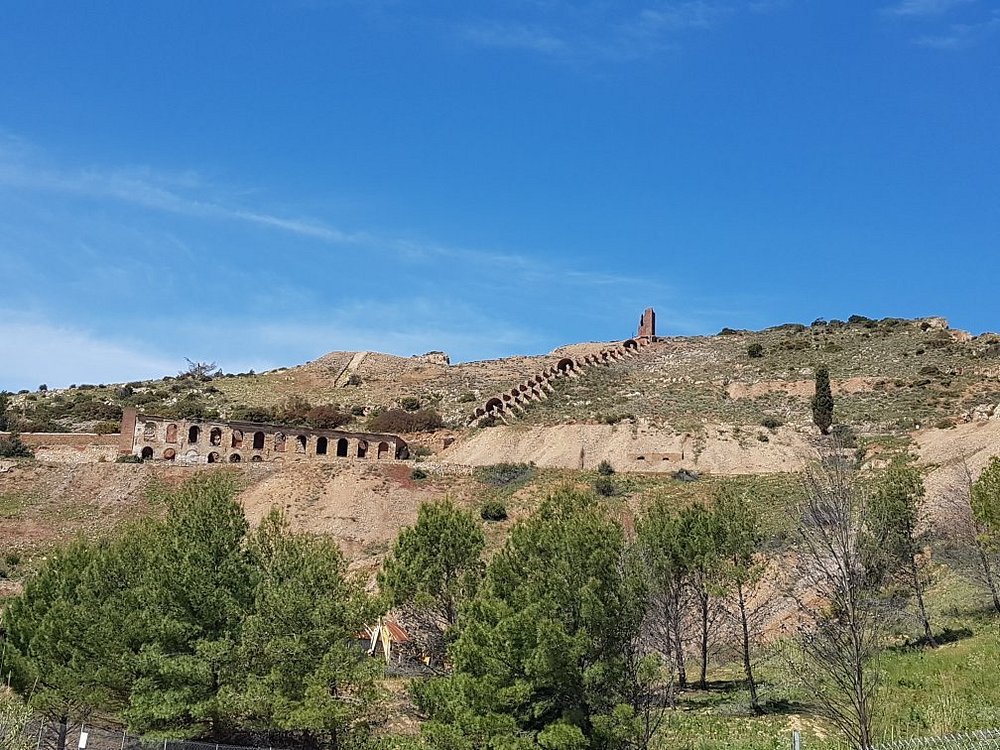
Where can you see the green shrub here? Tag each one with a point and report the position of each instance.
(409, 403)
(771, 423)
(327, 417)
(129, 459)
(397, 420)
(354, 379)
(605, 469)
(503, 474)
(420, 451)
(107, 427)
(755, 350)
(605, 486)
(13, 447)
(493, 510)
(357, 410)
(845, 435)
(762, 437)
(418, 473)
(466, 398)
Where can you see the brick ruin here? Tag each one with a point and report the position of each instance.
(196, 441)
(647, 326)
(507, 405)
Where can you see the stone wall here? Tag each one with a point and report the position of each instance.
(71, 447)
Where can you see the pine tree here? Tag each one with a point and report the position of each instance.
(822, 402)
(541, 646)
(740, 544)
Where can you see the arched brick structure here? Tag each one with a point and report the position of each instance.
(269, 442)
(535, 387)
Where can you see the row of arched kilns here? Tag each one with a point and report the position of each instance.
(509, 404)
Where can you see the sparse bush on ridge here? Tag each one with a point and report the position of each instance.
(398, 420)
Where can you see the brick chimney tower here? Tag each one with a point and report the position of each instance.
(647, 326)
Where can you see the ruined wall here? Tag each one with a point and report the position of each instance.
(70, 447)
(212, 441)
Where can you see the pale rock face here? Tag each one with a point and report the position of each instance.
(434, 358)
(936, 323)
(983, 412)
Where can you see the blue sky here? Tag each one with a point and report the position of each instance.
(259, 182)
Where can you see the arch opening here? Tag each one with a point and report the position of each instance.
(362, 449)
(300, 443)
(213, 457)
(169, 454)
(258, 441)
(171, 433)
(279, 442)
(321, 444)
(342, 448)
(235, 458)
(383, 449)
(237, 441)
(215, 436)
(194, 432)
(146, 453)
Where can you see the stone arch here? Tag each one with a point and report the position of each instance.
(494, 404)
(279, 442)
(235, 458)
(342, 448)
(149, 431)
(631, 344)
(383, 449)
(515, 392)
(480, 412)
(301, 441)
(146, 453)
(194, 432)
(171, 433)
(256, 459)
(215, 436)
(169, 454)
(213, 457)
(321, 445)
(258, 441)
(362, 449)
(565, 364)
(237, 441)
(191, 456)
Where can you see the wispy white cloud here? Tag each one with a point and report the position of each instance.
(924, 7)
(188, 194)
(961, 35)
(32, 352)
(514, 36)
(604, 31)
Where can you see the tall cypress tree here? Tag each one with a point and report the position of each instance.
(822, 402)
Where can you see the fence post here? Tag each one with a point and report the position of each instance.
(796, 740)
(123, 739)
